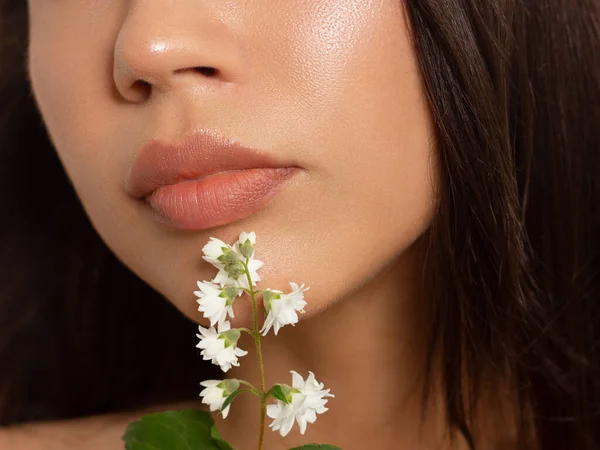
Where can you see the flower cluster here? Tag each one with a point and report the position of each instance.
(237, 276)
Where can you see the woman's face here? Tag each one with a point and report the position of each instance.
(328, 87)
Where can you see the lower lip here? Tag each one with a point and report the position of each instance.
(217, 199)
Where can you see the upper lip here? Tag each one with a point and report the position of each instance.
(200, 154)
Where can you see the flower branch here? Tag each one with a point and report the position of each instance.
(238, 275)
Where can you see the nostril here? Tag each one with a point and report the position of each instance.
(142, 88)
(205, 70)
(142, 84)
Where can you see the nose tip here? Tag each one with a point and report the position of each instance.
(154, 55)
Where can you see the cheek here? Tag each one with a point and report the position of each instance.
(366, 129)
(353, 103)
(70, 69)
(71, 77)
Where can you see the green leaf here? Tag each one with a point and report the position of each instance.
(229, 399)
(280, 393)
(221, 444)
(188, 429)
(214, 433)
(316, 447)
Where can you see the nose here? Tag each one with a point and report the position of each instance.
(166, 45)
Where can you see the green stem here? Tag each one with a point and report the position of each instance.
(263, 409)
(252, 391)
(256, 291)
(253, 297)
(261, 369)
(250, 385)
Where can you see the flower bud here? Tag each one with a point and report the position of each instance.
(229, 386)
(230, 337)
(235, 270)
(232, 264)
(268, 297)
(247, 248)
(228, 256)
(229, 293)
(215, 393)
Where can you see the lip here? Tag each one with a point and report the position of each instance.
(204, 181)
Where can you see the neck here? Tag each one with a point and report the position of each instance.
(369, 349)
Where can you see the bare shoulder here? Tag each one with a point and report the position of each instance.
(87, 433)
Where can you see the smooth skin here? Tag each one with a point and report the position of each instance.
(329, 86)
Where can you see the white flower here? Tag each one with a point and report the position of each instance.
(230, 260)
(213, 250)
(244, 246)
(220, 346)
(303, 402)
(282, 307)
(216, 301)
(224, 258)
(216, 391)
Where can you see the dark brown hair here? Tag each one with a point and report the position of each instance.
(514, 249)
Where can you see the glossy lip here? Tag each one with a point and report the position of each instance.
(205, 180)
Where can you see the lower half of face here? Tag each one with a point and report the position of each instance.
(331, 88)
